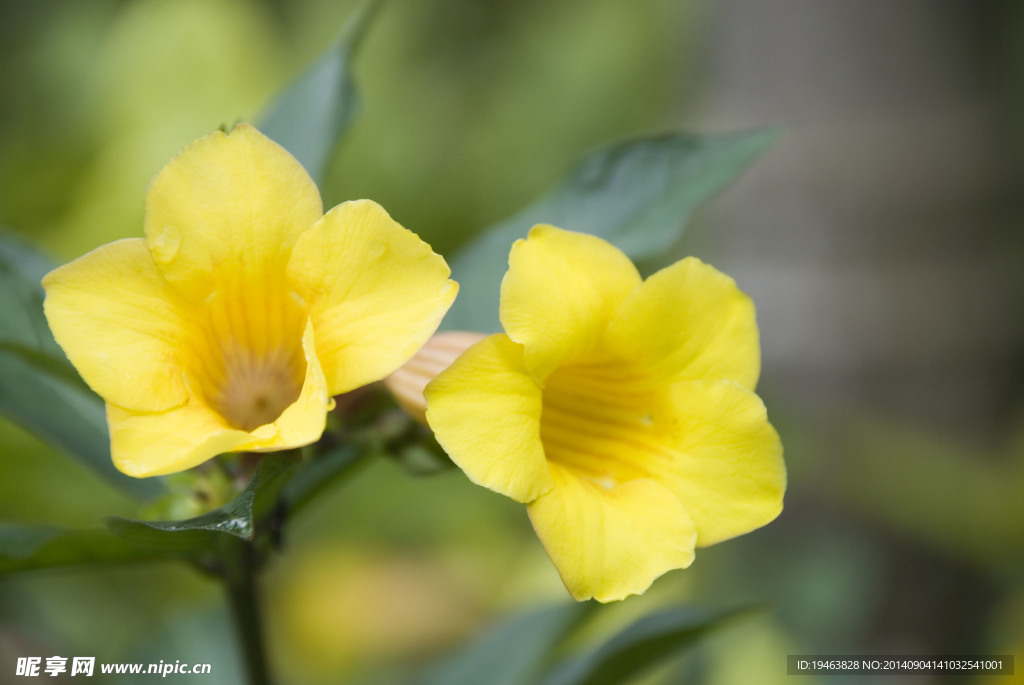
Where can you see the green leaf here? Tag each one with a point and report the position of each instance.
(200, 534)
(64, 415)
(22, 324)
(25, 548)
(513, 652)
(279, 488)
(310, 115)
(637, 194)
(39, 389)
(24, 332)
(638, 647)
(423, 459)
(314, 476)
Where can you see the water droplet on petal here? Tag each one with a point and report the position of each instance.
(165, 244)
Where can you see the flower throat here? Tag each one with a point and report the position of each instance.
(253, 365)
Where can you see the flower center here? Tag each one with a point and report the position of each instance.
(252, 366)
(257, 391)
(596, 421)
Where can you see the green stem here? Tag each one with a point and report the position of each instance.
(240, 577)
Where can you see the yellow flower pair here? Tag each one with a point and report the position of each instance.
(620, 410)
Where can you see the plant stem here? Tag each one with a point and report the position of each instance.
(240, 579)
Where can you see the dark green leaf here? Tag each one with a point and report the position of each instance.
(67, 416)
(638, 647)
(280, 485)
(22, 324)
(24, 333)
(512, 653)
(309, 117)
(39, 389)
(274, 474)
(199, 534)
(636, 194)
(24, 548)
(314, 476)
(423, 459)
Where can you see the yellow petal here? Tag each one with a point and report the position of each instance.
(560, 292)
(610, 543)
(728, 471)
(153, 444)
(484, 409)
(689, 321)
(376, 292)
(303, 422)
(227, 210)
(120, 325)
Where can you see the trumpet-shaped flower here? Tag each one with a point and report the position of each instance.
(621, 411)
(245, 308)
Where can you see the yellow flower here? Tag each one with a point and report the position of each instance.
(621, 411)
(244, 309)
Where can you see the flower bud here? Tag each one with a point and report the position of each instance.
(408, 382)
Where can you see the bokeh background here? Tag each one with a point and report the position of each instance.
(882, 239)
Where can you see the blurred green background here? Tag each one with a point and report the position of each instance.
(881, 240)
